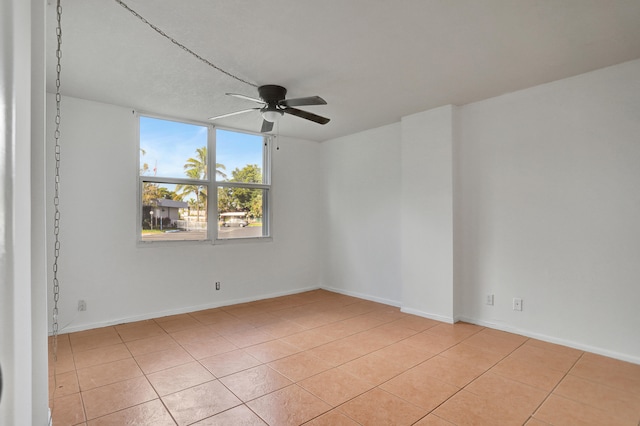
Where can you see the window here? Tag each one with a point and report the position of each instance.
(178, 201)
(242, 181)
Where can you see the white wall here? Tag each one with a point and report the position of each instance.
(361, 214)
(23, 356)
(545, 207)
(427, 142)
(549, 196)
(101, 263)
(543, 204)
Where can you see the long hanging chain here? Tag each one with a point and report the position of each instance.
(181, 46)
(56, 196)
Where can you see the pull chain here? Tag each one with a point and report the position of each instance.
(56, 196)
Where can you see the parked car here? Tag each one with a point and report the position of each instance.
(235, 221)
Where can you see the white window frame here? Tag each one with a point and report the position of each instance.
(211, 183)
(266, 185)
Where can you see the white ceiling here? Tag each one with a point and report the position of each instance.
(374, 61)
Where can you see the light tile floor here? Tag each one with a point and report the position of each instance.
(321, 358)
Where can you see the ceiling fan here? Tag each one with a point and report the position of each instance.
(274, 106)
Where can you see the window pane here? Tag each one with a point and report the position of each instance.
(239, 157)
(172, 149)
(240, 212)
(173, 212)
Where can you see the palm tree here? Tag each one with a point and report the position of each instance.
(185, 190)
(199, 164)
(196, 168)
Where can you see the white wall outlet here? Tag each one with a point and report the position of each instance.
(489, 299)
(217, 285)
(82, 305)
(517, 304)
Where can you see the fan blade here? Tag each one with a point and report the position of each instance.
(217, 117)
(311, 100)
(248, 98)
(306, 115)
(267, 126)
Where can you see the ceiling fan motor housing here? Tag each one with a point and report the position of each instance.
(272, 94)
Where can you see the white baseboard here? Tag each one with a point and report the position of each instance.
(363, 296)
(184, 310)
(423, 314)
(556, 340)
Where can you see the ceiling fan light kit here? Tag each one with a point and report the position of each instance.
(275, 105)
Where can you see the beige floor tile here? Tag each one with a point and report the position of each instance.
(473, 355)
(271, 350)
(208, 347)
(622, 404)
(557, 410)
(432, 420)
(513, 396)
(63, 384)
(255, 382)
(151, 344)
(534, 375)
(614, 373)
(229, 362)
(450, 371)
(156, 361)
(92, 339)
(377, 407)
(403, 354)
(179, 378)
(307, 339)
(230, 327)
(142, 331)
(192, 334)
(107, 399)
(372, 369)
(288, 406)
(105, 374)
(243, 339)
(299, 366)
(431, 343)
(181, 323)
(416, 323)
(332, 418)
(237, 416)
(419, 389)
(65, 363)
(565, 350)
(67, 410)
(199, 402)
(101, 355)
(338, 352)
(282, 328)
(459, 330)
(152, 413)
(492, 342)
(335, 386)
(537, 356)
(466, 408)
(329, 359)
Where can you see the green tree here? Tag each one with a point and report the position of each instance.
(242, 199)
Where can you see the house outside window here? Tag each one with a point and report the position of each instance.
(179, 201)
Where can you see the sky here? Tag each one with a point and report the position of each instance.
(166, 146)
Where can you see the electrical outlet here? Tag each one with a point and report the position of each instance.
(217, 285)
(82, 305)
(517, 304)
(489, 299)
